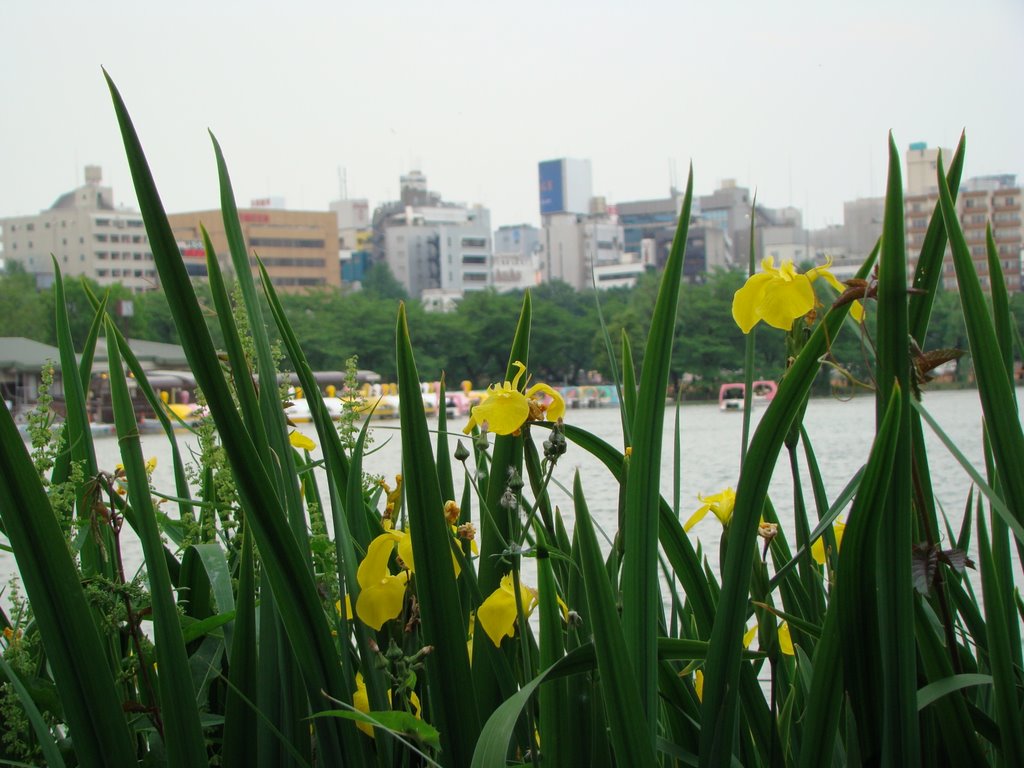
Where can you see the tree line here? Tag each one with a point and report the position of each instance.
(568, 345)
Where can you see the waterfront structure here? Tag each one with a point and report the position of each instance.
(298, 248)
(517, 257)
(87, 234)
(21, 363)
(437, 250)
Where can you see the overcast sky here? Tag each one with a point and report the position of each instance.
(793, 98)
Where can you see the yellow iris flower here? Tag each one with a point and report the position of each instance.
(497, 614)
(818, 547)
(720, 503)
(361, 701)
(300, 441)
(781, 295)
(506, 409)
(381, 593)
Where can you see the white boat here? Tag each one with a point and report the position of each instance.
(731, 394)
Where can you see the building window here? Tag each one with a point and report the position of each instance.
(474, 242)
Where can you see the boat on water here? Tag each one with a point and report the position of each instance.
(732, 394)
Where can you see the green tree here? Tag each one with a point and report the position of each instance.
(381, 283)
(24, 309)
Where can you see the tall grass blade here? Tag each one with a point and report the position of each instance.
(998, 613)
(497, 527)
(182, 734)
(995, 390)
(722, 673)
(640, 588)
(238, 748)
(452, 703)
(556, 739)
(285, 568)
(933, 252)
(78, 433)
(825, 699)
(895, 582)
(856, 590)
(628, 730)
(47, 744)
(957, 734)
(92, 707)
(135, 367)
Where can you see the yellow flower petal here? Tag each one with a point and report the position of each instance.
(747, 300)
(857, 311)
(381, 594)
(785, 640)
(557, 407)
(698, 683)
(696, 517)
(786, 300)
(361, 701)
(348, 607)
(497, 614)
(504, 411)
(383, 601)
(151, 465)
(748, 636)
(405, 549)
(721, 504)
(818, 547)
(300, 441)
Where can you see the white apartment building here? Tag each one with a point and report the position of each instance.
(87, 234)
(584, 250)
(517, 258)
(440, 249)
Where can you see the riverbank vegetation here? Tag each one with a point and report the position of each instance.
(472, 342)
(290, 614)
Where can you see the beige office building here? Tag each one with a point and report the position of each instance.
(298, 248)
(87, 234)
(996, 200)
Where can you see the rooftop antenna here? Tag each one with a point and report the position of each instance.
(673, 176)
(343, 183)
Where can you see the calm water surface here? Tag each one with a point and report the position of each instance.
(840, 433)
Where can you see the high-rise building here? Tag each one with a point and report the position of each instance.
(565, 186)
(995, 201)
(87, 234)
(436, 249)
(517, 257)
(922, 164)
(298, 248)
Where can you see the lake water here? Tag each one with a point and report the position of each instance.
(840, 432)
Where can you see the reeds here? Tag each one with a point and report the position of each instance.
(255, 659)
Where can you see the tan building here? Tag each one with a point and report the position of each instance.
(87, 234)
(298, 248)
(998, 200)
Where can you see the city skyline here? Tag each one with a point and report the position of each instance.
(475, 97)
